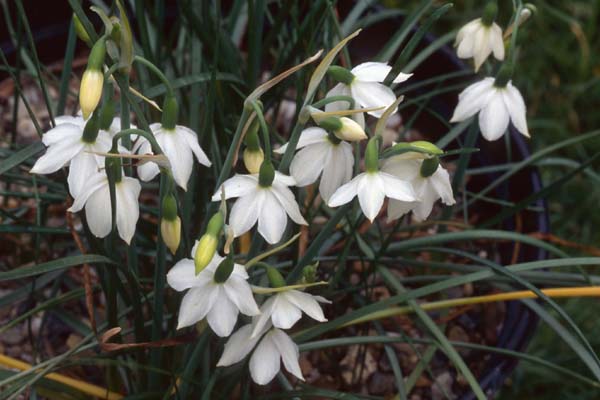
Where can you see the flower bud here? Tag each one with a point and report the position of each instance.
(253, 159)
(344, 128)
(207, 246)
(92, 81)
(170, 224)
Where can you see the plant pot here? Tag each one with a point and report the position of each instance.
(520, 322)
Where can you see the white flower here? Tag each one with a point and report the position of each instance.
(285, 308)
(428, 189)
(477, 40)
(220, 303)
(496, 106)
(265, 363)
(321, 157)
(267, 205)
(95, 196)
(66, 146)
(371, 189)
(179, 146)
(366, 90)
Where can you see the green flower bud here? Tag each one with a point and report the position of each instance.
(170, 231)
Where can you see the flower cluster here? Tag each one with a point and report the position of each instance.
(410, 175)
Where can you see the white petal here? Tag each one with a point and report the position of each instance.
(402, 168)
(264, 363)
(287, 200)
(239, 292)
(57, 156)
(481, 46)
(64, 131)
(283, 179)
(496, 42)
(494, 118)
(223, 315)
(396, 188)
(424, 207)
(373, 94)
(272, 218)
(306, 303)
(191, 139)
(94, 183)
(183, 276)
(371, 195)
(262, 322)
(245, 212)
(284, 314)
(236, 186)
(82, 167)
(128, 210)
(338, 90)
(147, 170)
(516, 108)
(239, 345)
(69, 119)
(376, 72)
(307, 137)
(180, 157)
(346, 192)
(288, 351)
(337, 170)
(473, 99)
(440, 181)
(98, 211)
(466, 38)
(196, 303)
(308, 163)
(397, 208)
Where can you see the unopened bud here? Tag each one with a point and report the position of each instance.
(171, 233)
(253, 159)
(344, 128)
(207, 246)
(93, 79)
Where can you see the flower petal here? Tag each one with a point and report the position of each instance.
(308, 136)
(128, 210)
(264, 363)
(496, 42)
(196, 303)
(397, 188)
(191, 138)
(82, 167)
(98, 211)
(58, 155)
(94, 183)
(239, 292)
(376, 72)
(397, 208)
(338, 90)
(371, 193)
(64, 131)
(402, 168)
(288, 351)
(308, 163)
(473, 99)
(147, 170)
(373, 94)
(345, 193)
(481, 46)
(223, 315)
(239, 345)
(494, 118)
(261, 322)
(180, 156)
(272, 219)
(236, 186)
(183, 276)
(245, 212)
(286, 198)
(337, 169)
(285, 314)
(306, 303)
(440, 181)
(424, 207)
(516, 108)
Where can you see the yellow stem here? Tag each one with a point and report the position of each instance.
(586, 291)
(83, 387)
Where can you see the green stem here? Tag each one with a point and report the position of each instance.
(157, 72)
(125, 133)
(332, 99)
(264, 129)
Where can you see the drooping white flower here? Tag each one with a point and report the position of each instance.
(284, 309)
(371, 189)
(496, 105)
(219, 303)
(275, 346)
(333, 160)
(95, 196)
(66, 145)
(179, 145)
(478, 40)
(267, 205)
(366, 89)
(428, 189)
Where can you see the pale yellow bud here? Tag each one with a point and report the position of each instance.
(350, 131)
(207, 246)
(253, 160)
(171, 233)
(90, 91)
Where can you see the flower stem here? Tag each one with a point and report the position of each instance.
(264, 129)
(332, 99)
(157, 72)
